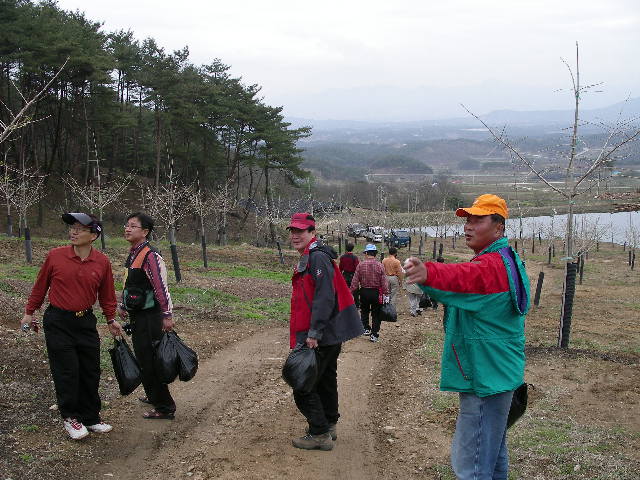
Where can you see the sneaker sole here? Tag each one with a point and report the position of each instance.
(325, 448)
(80, 438)
(100, 431)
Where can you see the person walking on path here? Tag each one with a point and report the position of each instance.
(74, 276)
(146, 302)
(347, 266)
(483, 357)
(414, 294)
(323, 316)
(371, 279)
(395, 274)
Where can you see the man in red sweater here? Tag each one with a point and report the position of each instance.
(75, 276)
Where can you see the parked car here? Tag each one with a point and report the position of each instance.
(397, 238)
(355, 230)
(374, 234)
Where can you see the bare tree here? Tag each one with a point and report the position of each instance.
(578, 170)
(23, 189)
(26, 176)
(99, 194)
(219, 203)
(169, 203)
(8, 190)
(20, 119)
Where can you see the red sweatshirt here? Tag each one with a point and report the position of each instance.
(73, 283)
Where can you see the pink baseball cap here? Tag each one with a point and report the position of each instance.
(302, 221)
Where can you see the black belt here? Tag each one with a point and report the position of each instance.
(81, 313)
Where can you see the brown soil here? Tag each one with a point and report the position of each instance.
(237, 417)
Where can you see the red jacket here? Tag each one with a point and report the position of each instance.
(322, 306)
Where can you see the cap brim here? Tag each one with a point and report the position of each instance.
(300, 226)
(465, 212)
(71, 218)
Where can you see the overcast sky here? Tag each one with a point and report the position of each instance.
(398, 60)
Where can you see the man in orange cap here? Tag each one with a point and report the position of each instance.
(483, 355)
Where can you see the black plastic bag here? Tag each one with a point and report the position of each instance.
(300, 370)
(518, 404)
(425, 301)
(125, 366)
(388, 312)
(187, 358)
(166, 359)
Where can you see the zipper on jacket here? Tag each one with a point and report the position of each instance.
(458, 360)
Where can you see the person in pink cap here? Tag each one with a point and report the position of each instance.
(323, 316)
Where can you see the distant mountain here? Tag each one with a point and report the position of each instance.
(620, 110)
(393, 103)
(511, 118)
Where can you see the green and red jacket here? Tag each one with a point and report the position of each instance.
(487, 299)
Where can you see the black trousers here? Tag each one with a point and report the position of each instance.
(369, 303)
(73, 346)
(147, 329)
(320, 406)
(348, 277)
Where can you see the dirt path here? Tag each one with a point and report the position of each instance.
(237, 418)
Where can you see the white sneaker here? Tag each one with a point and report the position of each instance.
(100, 428)
(75, 429)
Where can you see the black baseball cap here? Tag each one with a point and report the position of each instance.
(85, 219)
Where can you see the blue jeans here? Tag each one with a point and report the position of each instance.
(479, 447)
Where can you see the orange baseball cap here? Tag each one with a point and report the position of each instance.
(487, 204)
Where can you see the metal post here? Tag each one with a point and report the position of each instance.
(280, 252)
(536, 299)
(203, 241)
(568, 293)
(174, 255)
(27, 245)
(533, 245)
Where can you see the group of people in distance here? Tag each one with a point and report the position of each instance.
(483, 357)
(374, 283)
(74, 277)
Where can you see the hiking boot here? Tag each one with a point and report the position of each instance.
(367, 332)
(100, 428)
(332, 431)
(75, 429)
(374, 338)
(314, 442)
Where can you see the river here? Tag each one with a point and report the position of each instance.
(619, 227)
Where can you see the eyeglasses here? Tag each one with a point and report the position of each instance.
(132, 226)
(79, 229)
